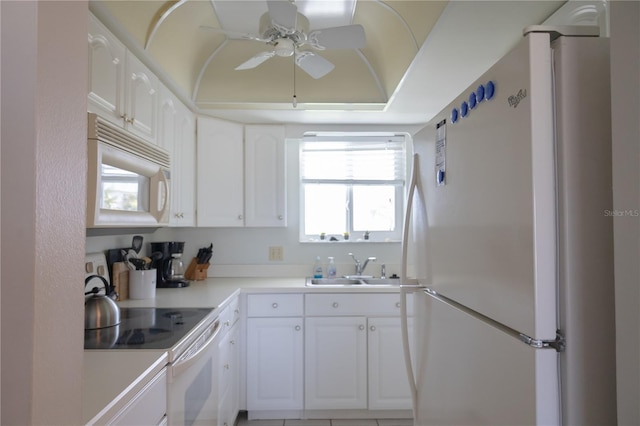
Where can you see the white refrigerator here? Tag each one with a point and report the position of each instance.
(508, 244)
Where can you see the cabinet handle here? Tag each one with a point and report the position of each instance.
(274, 306)
(237, 311)
(227, 323)
(372, 328)
(233, 342)
(397, 304)
(335, 304)
(298, 328)
(361, 327)
(226, 366)
(280, 217)
(240, 217)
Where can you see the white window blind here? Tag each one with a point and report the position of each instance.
(354, 159)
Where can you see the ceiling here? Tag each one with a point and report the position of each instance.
(418, 55)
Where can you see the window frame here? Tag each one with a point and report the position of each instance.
(399, 192)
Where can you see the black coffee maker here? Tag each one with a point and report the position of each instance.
(170, 267)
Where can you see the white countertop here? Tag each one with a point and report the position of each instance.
(113, 376)
(110, 378)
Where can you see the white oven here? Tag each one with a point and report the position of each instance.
(192, 383)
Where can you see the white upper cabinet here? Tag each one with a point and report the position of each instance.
(241, 174)
(121, 88)
(106, 73)
(220, 192)
(265, 197)
(177, 134)
(141, 99)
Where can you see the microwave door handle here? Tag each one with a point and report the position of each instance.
(165, 205)
(183, 364)
(161, 180)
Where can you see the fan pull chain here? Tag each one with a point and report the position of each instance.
(295, 100)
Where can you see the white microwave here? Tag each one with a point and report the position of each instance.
(128, 179)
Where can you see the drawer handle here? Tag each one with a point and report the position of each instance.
(298, 328)
(361, 327)
(274, 305)
(335, 304)
(397, 304)
(372, 328)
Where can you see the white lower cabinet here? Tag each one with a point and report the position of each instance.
(354, 355)
(228, 364)
(148, 407)
(335, 351)
(274, 363)
(229, 378)
(336, 363)
(275, 352)
(388, 384)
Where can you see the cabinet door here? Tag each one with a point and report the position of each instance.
(177, 134)
(275, 363)
(228, 378)
(220, 192)
(265, 186)
(106, 73)
(336, 363)
(141, 99)
(388, 384)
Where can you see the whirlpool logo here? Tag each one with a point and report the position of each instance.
(514, 100)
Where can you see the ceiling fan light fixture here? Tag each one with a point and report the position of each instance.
(283, 47)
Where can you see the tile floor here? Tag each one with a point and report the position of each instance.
(332, 422)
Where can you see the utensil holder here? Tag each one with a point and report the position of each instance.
(142, 284)
(196, 271)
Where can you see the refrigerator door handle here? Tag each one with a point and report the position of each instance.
(404, 289)
(407, 214)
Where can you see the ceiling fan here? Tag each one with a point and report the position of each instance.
(286, 30)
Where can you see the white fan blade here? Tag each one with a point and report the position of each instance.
(284, 15)
(256, 60)
(314, 65)
(234, 34)
(346, 37)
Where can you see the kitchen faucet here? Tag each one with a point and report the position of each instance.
(360, 267)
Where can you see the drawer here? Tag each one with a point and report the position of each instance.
(274, 305)
(328, 304)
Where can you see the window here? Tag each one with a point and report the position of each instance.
(352, 187)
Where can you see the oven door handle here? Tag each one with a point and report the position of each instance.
(189, 359)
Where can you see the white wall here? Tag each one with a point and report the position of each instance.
(625, 95)
(44, 81)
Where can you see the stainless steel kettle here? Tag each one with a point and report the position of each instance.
(100, 310)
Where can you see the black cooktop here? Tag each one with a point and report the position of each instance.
(146, 328)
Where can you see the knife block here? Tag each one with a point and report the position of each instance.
(196, 271)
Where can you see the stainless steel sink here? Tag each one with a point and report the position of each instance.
(351, 281)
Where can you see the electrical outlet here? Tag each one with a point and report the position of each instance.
(275, 253)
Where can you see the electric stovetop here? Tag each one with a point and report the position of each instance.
(146, 328)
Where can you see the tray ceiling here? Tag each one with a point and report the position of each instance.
(199, 63)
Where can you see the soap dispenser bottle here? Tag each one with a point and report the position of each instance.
(331, 268)
(317, 268)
